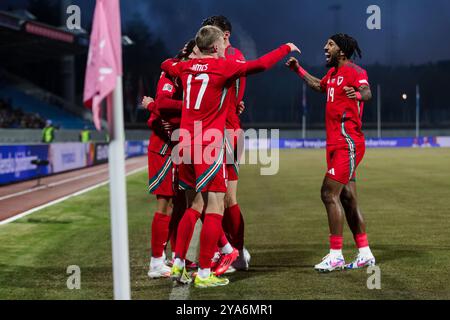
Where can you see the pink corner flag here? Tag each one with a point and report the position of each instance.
(104, 63)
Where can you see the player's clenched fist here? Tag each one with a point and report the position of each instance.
(241, 107)
(293, 64)
(293, 47)
(146, 101)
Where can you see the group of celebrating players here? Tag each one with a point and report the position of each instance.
(193, 153)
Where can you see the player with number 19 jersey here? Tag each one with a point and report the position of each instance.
(206, 82)
(343, 120)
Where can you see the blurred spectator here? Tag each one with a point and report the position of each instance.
(85, 135)
(48, 133)
(16, 118)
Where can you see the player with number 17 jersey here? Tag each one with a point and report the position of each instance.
(205, 82)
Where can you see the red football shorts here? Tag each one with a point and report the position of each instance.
(206, 173)
(160, 174)
(342, 161)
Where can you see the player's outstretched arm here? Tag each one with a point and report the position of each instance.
(270, 59)
(362, 94)
(311, 81)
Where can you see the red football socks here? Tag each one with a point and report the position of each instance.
(185, 232)
(336, 242)
(234, 226)
(211, 232)
(361, 240)
(222, 240)
(160, 232)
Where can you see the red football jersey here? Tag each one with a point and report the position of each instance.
(236, 92)
(206, 83)
(168, 102)
(343, 117)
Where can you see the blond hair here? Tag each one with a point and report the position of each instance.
(206, 37)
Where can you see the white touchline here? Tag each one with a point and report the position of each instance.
(26, 213)
(54, 184)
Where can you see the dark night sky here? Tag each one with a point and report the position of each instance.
(413, 31)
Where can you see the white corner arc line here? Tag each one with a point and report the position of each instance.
(80, 192)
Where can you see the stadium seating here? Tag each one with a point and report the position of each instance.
(27, 103)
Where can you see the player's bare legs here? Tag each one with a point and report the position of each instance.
(353, 214)
(164, 205)
(330, 193)
(357, 225)
(231, 195)
(194, 200)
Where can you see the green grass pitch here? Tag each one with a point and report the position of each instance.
(404, 195)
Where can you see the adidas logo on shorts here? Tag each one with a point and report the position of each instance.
(331, 171)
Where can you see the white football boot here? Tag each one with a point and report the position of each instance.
(331, 262)
(361, 261)
(158, 269)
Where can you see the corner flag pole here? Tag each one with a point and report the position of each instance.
(118, 196)
(103, 79)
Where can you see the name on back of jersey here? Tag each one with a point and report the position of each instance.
(199, 67)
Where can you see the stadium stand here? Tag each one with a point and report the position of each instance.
(33, 106)
(16, 118)
(30, 42)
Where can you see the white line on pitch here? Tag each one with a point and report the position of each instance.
(26, 213)
(54, 184)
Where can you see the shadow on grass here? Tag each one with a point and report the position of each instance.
(386, 253)
(46, 277)
(275, 258)
(44, 221)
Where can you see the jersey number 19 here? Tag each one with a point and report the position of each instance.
(330, 96)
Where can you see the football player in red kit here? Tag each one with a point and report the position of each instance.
(347, 88)
(205, 80)
(164, 118)
(233, 221)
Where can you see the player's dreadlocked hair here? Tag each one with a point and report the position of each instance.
(218, 21)
(347, 44)
(186, 51)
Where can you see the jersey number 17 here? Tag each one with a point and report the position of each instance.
(205, 80)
